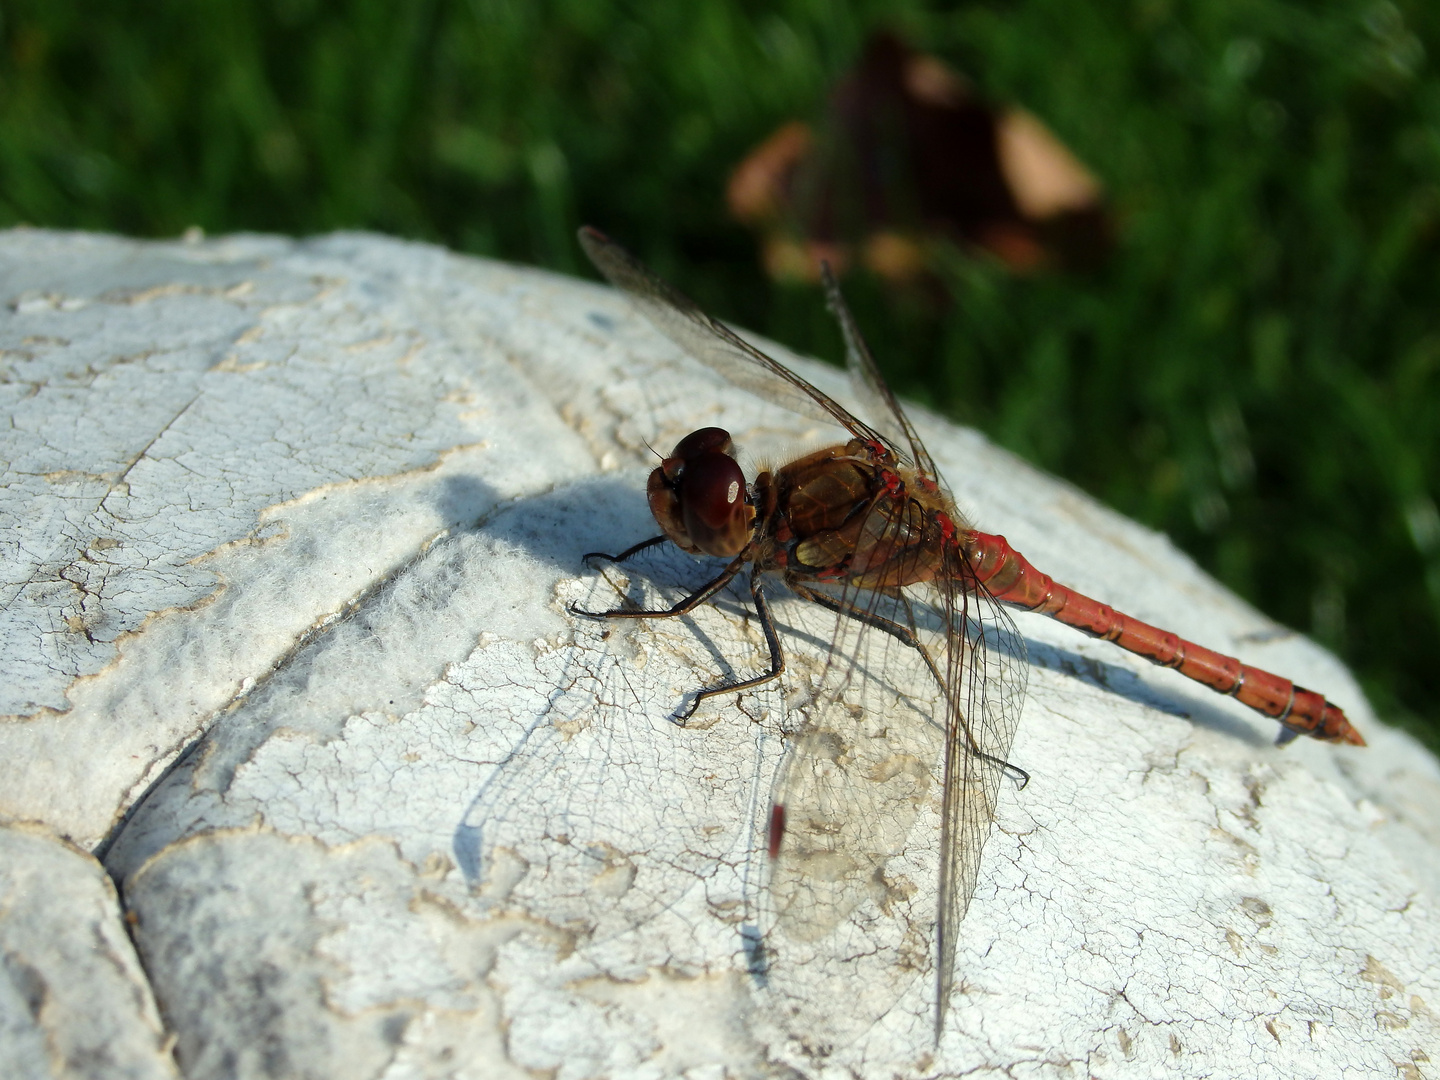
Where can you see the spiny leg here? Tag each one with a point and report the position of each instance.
(906, 636)
(772, 640)
(682, 607)
(694, 600)
(633, 549)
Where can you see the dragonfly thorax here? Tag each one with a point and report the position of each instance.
(698, 495)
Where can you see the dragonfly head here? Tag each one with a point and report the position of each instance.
(698, 495)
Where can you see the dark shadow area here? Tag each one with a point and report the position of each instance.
(603, 511)
(464, 500)
(1125, 683)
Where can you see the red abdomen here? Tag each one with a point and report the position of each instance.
(1010, 578)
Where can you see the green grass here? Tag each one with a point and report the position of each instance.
(1255, 372)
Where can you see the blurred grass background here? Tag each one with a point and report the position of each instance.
(1255, 371)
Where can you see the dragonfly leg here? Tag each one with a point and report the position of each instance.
(633, 549)
(772, 641)
(682, 607)
(906, 636)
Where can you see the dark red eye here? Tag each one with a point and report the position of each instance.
(708, 440)
(711, 488)
(712, 503)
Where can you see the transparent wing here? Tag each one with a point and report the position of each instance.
(986, 673)
(711, 342)
(870, 387)
(892, 782)
(849, 898)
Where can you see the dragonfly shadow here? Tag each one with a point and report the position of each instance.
(1125, 683)
(556, 527)
(464, 499)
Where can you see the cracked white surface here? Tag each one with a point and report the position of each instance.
(289, 527)
(74, 1001)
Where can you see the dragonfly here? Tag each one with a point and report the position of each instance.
(867, 529)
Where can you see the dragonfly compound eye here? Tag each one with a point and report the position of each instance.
(706, 440)
(711, 494)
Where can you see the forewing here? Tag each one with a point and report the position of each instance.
(853, 784)
(870, 386)
(709, 341)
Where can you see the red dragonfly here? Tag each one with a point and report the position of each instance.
(867, 530)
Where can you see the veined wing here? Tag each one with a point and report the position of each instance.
(855, 830)
(712, 342)
(896, 734)
(985, 672)
(881, 403)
